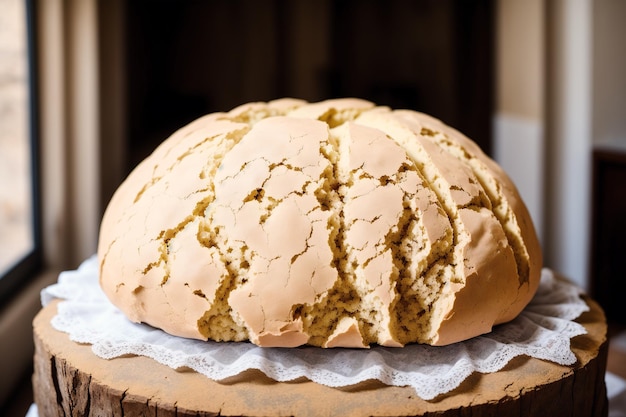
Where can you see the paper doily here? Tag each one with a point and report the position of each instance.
(543, 330)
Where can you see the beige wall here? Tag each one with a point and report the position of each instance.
(520, 59)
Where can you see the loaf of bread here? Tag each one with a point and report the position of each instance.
(332, 224)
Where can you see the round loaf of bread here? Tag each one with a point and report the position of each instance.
(333, 224)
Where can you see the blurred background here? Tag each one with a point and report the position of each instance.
(540, 85)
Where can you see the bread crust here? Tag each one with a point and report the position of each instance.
(335, 224)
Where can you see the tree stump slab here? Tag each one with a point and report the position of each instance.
(69, 380)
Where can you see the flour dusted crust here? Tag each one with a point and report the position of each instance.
(334, 224)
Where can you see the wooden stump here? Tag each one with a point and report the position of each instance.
(69, 380)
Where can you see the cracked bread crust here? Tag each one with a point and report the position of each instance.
(333, 224)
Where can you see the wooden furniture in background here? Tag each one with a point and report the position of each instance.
(608, 238)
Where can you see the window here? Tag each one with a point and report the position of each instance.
(20, 246)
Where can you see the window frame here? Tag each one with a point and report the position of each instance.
(24, 270)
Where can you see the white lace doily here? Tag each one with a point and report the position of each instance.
(543, 330)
